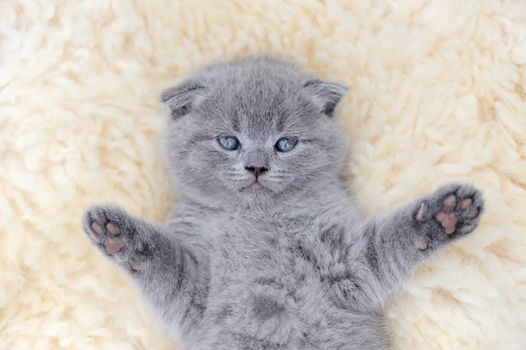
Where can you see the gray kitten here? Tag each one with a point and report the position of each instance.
(264, 248)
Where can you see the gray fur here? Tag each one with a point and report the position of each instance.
(288, 266)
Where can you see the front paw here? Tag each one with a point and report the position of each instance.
(452, 211)
(116, 234)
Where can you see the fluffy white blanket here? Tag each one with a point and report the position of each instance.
(438, 94)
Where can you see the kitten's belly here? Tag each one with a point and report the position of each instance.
(265, 292)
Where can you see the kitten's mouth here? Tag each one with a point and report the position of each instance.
(254, 186)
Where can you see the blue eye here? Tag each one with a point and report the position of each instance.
(228, 142)
(285, 144)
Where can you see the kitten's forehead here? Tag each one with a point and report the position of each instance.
(260, 103)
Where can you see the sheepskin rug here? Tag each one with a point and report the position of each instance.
(438, 94)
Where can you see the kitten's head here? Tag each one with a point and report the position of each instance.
(253, 131)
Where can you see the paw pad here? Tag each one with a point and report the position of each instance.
(466, 203)
(448, 221)
(450, 201)
(114, 245)
(117, 235)
(456, 208)
(97, 228)
(112, 228)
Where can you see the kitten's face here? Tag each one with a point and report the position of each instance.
(252, 133)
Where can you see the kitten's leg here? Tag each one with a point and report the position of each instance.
(398, 241)
(170, 274)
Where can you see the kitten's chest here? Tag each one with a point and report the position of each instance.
(263, 244)
(273, 242)
(270, 273)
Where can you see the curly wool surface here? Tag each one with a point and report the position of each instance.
(438, 94)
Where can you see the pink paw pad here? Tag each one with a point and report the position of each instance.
(114, 245)
(466, 203)
(450, 201)
(97, 228)
(113, 229)
(448, 221)
(454, 209)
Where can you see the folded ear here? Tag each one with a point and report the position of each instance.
(181, 98)
(325, 94)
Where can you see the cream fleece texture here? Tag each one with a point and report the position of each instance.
(438, 93)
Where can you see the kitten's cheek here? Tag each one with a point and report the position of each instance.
(234, 187)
